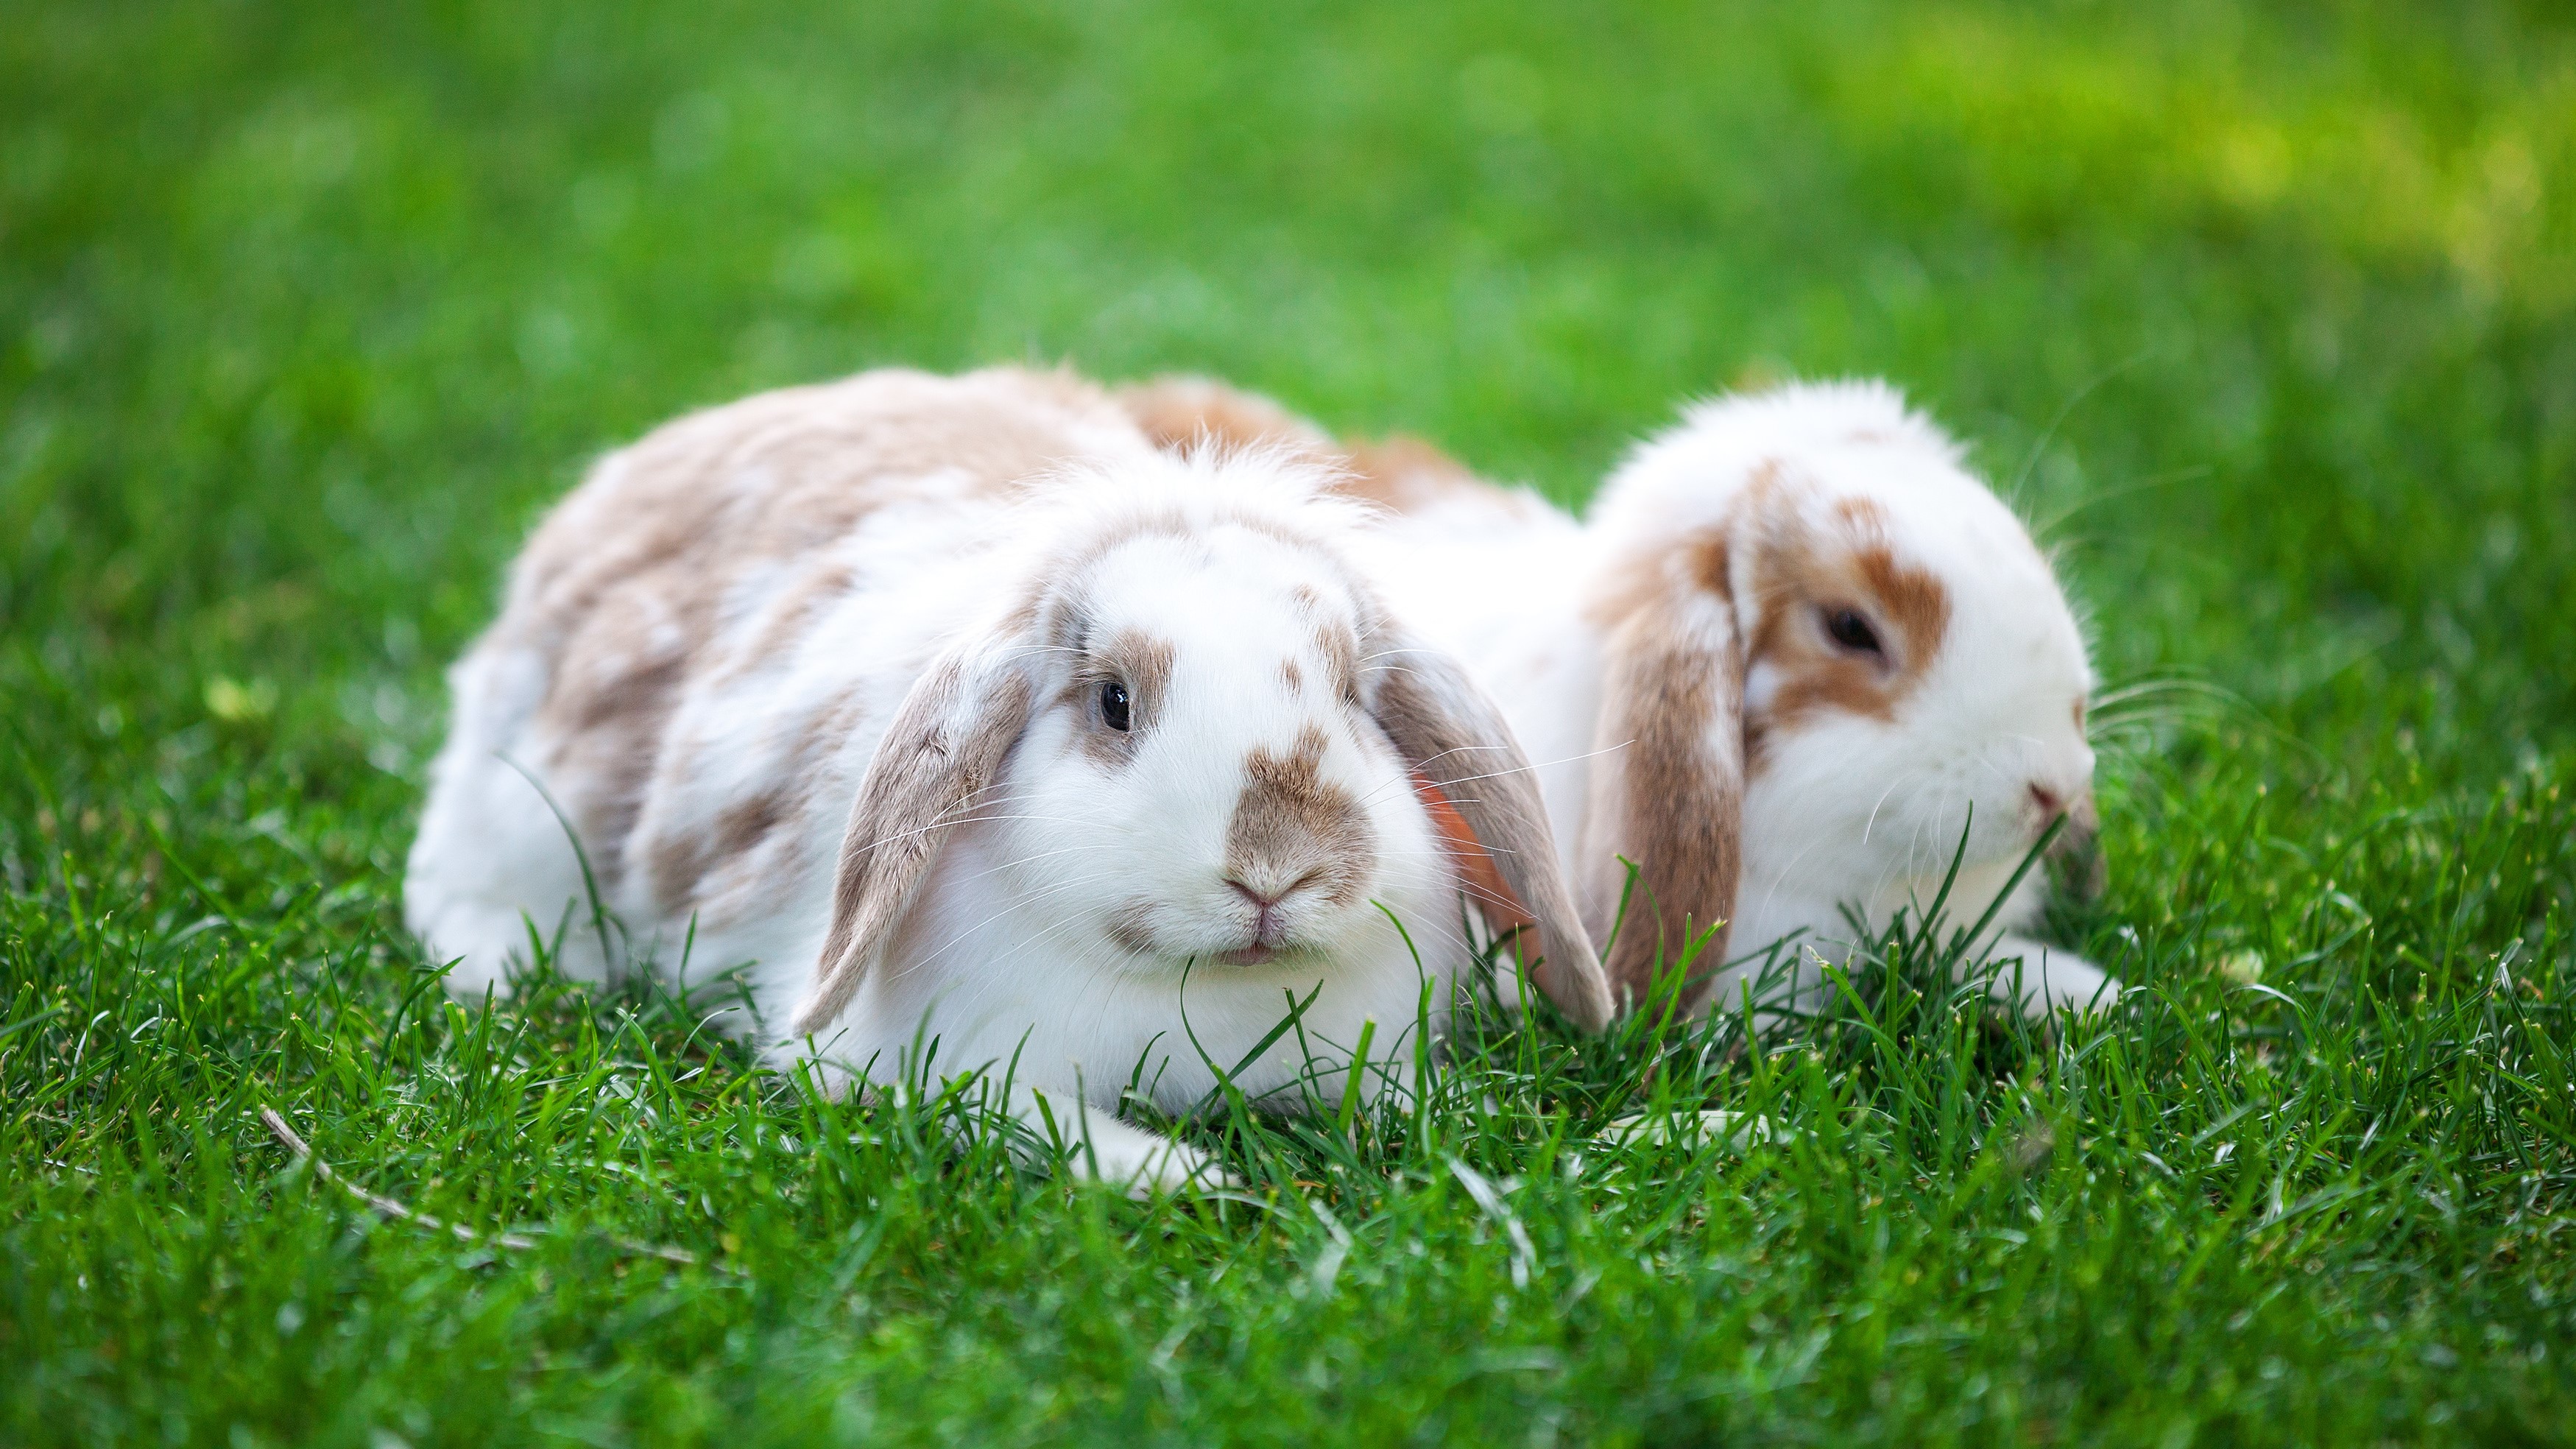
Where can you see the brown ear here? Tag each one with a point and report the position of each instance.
(1458, 744)
(943, 751)
(1668, 774)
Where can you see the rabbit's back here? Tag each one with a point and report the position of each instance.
(646, 580)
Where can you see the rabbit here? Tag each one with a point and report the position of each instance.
(1794, 662)
(990, 737)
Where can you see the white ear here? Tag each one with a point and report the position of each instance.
(1456, 740)
(945, 748)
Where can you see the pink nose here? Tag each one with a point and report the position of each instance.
(1265, 910)
(1259, 901)
(2050, 803)
(1266, 925)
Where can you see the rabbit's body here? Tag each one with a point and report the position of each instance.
(1668, 664)
(658, 666)
(821, 681)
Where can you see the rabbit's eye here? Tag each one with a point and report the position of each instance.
(1113, 705)
(1852, 631)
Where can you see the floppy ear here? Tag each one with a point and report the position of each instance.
(1668, 772)
(1459, 746)
(944, 749)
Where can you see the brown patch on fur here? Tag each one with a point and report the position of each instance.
(1861, 511)
(681, 860)
(1801, 577)
(1291, 675)
(1136, 659)
(1917, 602)
(1131, 927)
(745, 823)
(1145, 662)
(1399, 472)
(1290, 827)
(822, 734)
(1406, 475)
(1179, 412)
(1340, 652)
(1710, 564)
(796, 611)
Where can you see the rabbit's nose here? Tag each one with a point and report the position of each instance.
(1267, 895)
(2074, 803)
(1259, 901)
(1267, 927)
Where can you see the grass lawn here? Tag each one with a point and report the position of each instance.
(2267, 319)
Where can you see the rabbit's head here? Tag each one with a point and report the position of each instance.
(1828, 642)
(1196, 741)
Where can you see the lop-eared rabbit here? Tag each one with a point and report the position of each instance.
(1795, 655)
(985, 736)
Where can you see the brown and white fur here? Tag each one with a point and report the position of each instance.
(987, 737)
(1674, 664)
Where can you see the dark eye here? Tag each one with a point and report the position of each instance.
(1113, 705)
(1852, 631)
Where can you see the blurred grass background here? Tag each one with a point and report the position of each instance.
(354, 294)
(2264, 313)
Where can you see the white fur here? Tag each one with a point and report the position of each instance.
(1009, 963)
(1846, 810)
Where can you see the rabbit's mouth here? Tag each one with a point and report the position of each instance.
(1267, 953)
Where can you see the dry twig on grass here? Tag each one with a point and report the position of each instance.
(395, 1208)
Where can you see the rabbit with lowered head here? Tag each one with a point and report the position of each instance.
(987, 737)
(1795, 659)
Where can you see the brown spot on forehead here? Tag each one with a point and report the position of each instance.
(1911, 598)
(1291, 825)
(1898, 593)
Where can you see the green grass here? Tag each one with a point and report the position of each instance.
(2270, 318)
